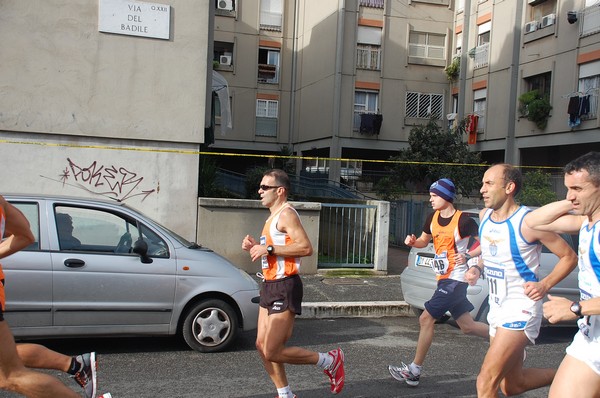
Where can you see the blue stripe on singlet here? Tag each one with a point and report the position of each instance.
(520, 264)
(594, 261)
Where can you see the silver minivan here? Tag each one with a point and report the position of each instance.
(100, 268)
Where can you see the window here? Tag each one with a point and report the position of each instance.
(459, 39)
(589, 85)
(483, 33)
(426, 45)
(481, 55)
(92, 230)
(424, 106)
(541, 83)
(31, 212)
(271, 14)
(222, 55)
(540, 10)
(266, 117)
(479, 105)
(365, 102)
(460, 6)
(268, 65)
(368, 49)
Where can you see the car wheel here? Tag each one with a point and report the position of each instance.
(483, 311)
(210, 326)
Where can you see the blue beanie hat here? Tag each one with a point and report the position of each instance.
(444, 188)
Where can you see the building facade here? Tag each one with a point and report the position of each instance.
(348, 79)
(546, 50)
(106, 98)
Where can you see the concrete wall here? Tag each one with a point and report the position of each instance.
(223, 223)
(88, 113)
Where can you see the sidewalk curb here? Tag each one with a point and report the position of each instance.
(349, 309)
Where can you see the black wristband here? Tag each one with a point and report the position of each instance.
(477, 267)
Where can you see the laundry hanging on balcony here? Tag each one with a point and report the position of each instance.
(579, 105)
(472, 121)
(370, 123)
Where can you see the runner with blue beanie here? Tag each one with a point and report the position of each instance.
(450, 230)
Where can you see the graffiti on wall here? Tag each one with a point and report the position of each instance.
(117, 182)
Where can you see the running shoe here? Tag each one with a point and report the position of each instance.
(86, 377)
(336, 371)
(403, 373)
(106, 395)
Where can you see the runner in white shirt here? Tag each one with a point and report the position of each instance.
(510, 258)
(579, 372)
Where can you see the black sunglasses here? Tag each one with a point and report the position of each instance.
(267, 187)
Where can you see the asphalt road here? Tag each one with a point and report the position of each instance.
(164, 367)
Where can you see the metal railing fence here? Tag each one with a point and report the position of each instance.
(347, 235)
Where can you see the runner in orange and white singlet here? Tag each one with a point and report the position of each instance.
(450, 230)
(277, 267)
(281, 246)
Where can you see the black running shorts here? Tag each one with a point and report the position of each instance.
(282, 294)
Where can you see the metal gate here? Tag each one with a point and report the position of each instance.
(347, 235)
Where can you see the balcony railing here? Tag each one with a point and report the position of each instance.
(267, 73)
(270, 20)
(590, 23)
(481, 57)
(368, 58)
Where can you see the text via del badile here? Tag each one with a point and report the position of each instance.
(134, 28)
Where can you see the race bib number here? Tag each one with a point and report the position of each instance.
(497, 283)
(264, 263)
(440, 263)
(585, 326)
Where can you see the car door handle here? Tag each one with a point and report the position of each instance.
(74, 263)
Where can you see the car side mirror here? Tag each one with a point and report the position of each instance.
(140, 247)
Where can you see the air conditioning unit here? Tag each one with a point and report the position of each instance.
(225, 59)
(531, 27)
(226, 5)
(548, 20)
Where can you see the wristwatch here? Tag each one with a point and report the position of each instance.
(576, 309)
(270, 250)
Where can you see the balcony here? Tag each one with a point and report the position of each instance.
(590, 23)
(267, 73)
(481, 56)
(270, 21)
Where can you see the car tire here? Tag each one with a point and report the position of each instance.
(210, 326)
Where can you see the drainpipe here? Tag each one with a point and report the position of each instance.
(462, 76)
(511, 154)
(336, 151)
(292, 118)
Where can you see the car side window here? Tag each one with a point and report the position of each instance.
(31, 212)
(94, 230)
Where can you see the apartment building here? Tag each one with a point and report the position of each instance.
(349, 78)
(331, 79)
(511, 48)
